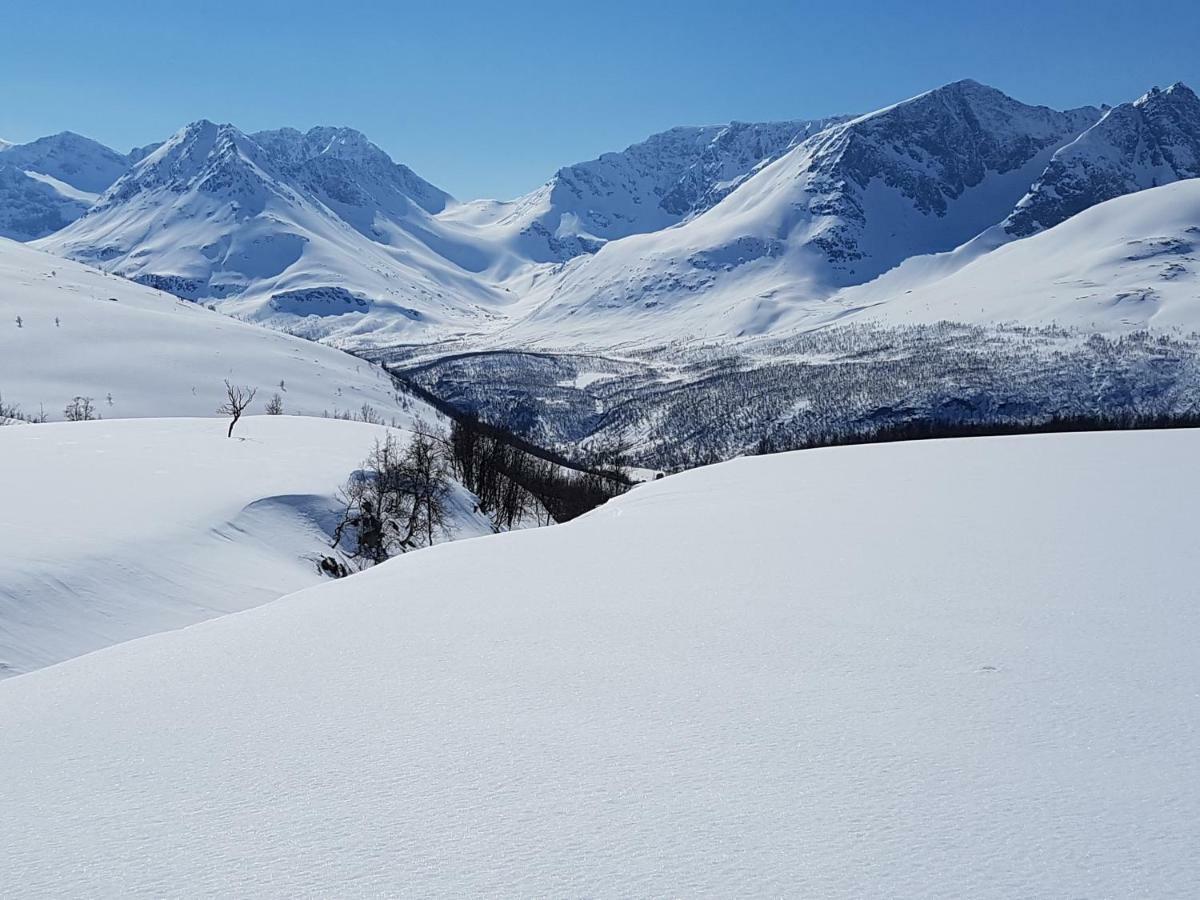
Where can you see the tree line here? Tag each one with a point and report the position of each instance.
(398, 500)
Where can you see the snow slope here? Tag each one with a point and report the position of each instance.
(646, 187)
(117, 529)
(1129, 263)
(154, 354)
(938, 669)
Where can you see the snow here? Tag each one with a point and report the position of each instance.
(265, 226)
(66, 190)
(1126, 264)
(49, 183)
(118, 529)
(710, 233)
(840, 208)
(937, 669)
(1153, 141)
(154, 354)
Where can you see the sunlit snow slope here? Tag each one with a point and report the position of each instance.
(85, 333)
(1131, 262)
(117, 529)
(961, 668)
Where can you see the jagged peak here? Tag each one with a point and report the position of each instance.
(1174, 94)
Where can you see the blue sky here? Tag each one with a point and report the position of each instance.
(488, 99)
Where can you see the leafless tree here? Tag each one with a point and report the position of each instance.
(397, 502)
(80, 409)
(237, 399)
(275, 405)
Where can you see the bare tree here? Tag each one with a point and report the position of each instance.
(397, 502)
(80, 409)
(237, 398)
(275, 405)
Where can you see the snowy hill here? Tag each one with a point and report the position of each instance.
(49, 183)
(646, 187)
(319, 233)
(1128, 263)
(169, 523)
(797, 674)
(83, 332)
(132, 527)
(840, 208)
(1153, 141)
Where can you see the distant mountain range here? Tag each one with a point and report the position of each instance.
(706, 232)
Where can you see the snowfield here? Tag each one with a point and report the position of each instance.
(116, 529)
(83, 332)
(1124, 264)
(937, 669)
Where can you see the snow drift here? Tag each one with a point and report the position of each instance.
(116, 529)
(960, 668)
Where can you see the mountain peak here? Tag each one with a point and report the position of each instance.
(1153, 140)
(1177, 93)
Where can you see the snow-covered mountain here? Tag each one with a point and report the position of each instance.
(840, 208)
(646, 187)
(1128, 263)
(1154, 140)
(942, 668)
(709, 232)
(49, 183)
(319, 233)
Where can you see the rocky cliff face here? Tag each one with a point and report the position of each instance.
(1152, 141)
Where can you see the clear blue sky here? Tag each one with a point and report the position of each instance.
(489, 98)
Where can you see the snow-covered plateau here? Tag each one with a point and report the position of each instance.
(935, 669)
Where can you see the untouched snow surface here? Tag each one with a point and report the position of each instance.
(116, 529)
(1131, 262)
(937, 669)
(154, 354)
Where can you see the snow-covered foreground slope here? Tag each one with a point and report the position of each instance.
(86, 333)
(117, 529)
(1132, 262)
(960, 668)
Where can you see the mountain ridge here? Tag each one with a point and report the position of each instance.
(721, 230)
